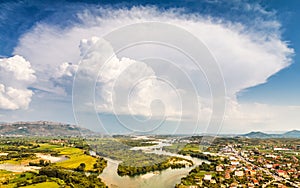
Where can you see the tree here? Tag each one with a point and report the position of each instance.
(42, 162)
(39, 179)
(81, 167)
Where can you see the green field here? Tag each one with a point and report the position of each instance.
(4, 175)
(66, 173)
(43, 185)
(192, 147)
(76, 156)
(177, 147)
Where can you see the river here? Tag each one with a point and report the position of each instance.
(164, 179)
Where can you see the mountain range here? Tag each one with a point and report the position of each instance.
(48, 128)
(289, 134)
(43, 128)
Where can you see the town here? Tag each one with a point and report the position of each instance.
(244, 162)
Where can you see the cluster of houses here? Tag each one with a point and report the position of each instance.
(253, 168)
(278, 165)
(235, 170)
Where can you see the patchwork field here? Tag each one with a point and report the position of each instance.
(76, 156)
(40, 162)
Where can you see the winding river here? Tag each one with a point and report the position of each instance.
(164, 179)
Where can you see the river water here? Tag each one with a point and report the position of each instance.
(164, 179)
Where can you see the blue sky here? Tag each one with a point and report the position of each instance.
(282, 88)
(267, 25)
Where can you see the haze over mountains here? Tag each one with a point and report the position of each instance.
(47, 128)
(42, 128)
(289, 134)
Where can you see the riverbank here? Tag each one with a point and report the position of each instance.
(167, 178)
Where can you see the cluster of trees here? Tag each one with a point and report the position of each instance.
(137, 143)
(204, 167)
(15, 155)
(137, 170)
(15, 142)
(121, 152)
(15, 149)
(64, 178)
(174, 148)
(73, 179)
(124, 170)
(100, 164)
(34, 180)
(207, 157)
(41, 163)
(25, 179)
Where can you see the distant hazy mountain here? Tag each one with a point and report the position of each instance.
(256, 135)
(42, 128)
(290, 134)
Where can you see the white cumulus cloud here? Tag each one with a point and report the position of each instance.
(16, 75)
(124, 86)
(13, 99)
(66, 69)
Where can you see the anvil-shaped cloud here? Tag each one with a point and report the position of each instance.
(247, 56)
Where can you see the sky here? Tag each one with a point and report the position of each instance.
(63, 61)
